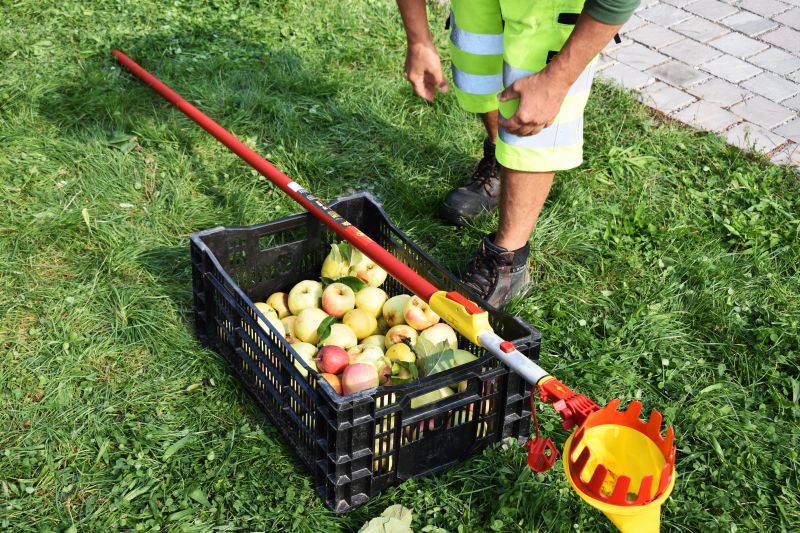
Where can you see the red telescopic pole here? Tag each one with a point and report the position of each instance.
(405, 275)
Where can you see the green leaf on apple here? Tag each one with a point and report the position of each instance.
(411, 367)
(346, 251)
(438, 362)
(423, 348)
(352, 282)
(324, 329)
(327, 281)
(434, 358)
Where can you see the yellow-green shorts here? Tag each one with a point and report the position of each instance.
(493, 43)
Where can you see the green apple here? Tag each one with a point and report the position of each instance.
(305, 295)
(306, 351)
(361, 322)
(393, 310)
(341, 335)
(305, 327)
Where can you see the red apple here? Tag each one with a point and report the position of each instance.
(331, 359)
(337, 299)
(358, 377)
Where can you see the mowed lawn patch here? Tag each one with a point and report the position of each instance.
(665, 270)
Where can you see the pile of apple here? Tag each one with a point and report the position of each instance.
(354, 335)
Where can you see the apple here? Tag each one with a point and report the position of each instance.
(331, 359)
(340, 335)
(430, 397)
(364, 354)
(306, 352)
(371, 300)
(288, 325)
(335, 264)
(265, 309)
(359, 377)
(419, 314)
(383, 327)
(365, 269)
(393, 310)
(384, 446)
(374, 340)
(337, 299)
(372, 355)
(400, 372)
(401, 352)
(398, 333)
(305, 327)
(439, 333)
(461, 357)
(272, 318)
(277, 324)
(333, 381)
(279, 301)
(361, 322)
(305, 295)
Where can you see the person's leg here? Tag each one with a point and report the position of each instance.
(522, 196)
(532, 35)
(490, 125)
(476, 49)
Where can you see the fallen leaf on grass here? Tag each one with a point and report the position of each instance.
(395, 519)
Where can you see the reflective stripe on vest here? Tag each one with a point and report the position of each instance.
(483, 44)
(583, 83)
(565, 134)
(477, 84)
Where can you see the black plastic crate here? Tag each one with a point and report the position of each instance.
(358, 445)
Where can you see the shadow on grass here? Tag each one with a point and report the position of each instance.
(293, 113)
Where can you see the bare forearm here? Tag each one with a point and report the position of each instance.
(415, 21)
(588, 38)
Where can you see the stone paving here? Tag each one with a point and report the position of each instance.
(727, 66)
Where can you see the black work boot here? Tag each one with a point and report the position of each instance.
(496, 274)
(482, 192)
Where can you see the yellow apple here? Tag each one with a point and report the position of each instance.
(305, 327)
(419, 314)
(371, 300)
(399, 333)
(361, 322)
(279, 301)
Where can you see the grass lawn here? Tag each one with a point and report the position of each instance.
(665, 268)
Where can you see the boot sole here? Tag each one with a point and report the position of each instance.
(451, 216)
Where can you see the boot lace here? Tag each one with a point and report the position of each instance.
(481, 272)
(485, 172)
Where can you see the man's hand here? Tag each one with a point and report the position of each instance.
(540, 97)
(424, 71)
(541, 94)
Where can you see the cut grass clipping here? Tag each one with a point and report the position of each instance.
(665, 270)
